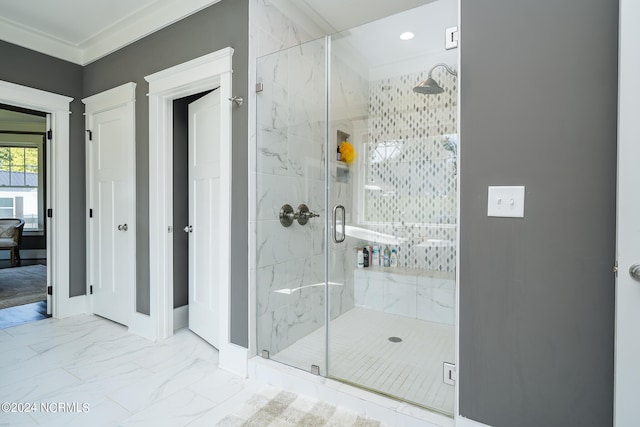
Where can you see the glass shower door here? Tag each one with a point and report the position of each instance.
(290, 175)
(392, 280)
(356, 207)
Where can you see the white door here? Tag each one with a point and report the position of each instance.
(627, 353)
(204, 216)
(112, 215)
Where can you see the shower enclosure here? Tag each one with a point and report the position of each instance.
(386, 328)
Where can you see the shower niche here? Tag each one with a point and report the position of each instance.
(342, 168)
(315, 306)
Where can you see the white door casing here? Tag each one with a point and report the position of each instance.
(627, 347)
(58, 188)
(204, 216)
(110, 150)
(47, 202)
(195, 76)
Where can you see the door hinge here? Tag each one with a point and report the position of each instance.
(90, 134)
(90, 213)
(90, 289)
(49, 213)
(50, 134)
(259, 87)
(615, 268)
(49, 290)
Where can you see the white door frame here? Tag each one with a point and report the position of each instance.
(112, 98)
(198, 75)
(627, 346)
(58, 187)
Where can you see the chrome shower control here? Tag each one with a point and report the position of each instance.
(634, 271)
(304, 214)
(286, 215)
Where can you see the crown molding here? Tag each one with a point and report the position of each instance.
(126, 31)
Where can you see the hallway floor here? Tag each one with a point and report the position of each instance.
(107, 376)
(18, 315)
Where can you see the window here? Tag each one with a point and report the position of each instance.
(22, 180)
(6, 207)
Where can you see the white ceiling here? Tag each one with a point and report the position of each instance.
(379, 49)
(82, 31)
(368, 31)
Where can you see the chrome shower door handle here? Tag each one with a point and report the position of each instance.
(335, 223)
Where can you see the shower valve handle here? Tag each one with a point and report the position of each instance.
(304, 214)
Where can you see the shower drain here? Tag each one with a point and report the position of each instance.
(395, 339)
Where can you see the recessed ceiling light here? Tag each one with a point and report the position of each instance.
(407, 36)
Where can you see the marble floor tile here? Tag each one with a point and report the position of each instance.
(178, 409)
(120, 378)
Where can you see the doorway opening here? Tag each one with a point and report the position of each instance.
(181, 209)
(201, 74)
(23, 231)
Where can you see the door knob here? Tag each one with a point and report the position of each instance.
(123, 227)
(188, 228)
(634, 271)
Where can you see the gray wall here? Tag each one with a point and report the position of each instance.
(538, 108)
(29, 68)
(220, 25)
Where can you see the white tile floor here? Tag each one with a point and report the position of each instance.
(124, 379)
(361, 353)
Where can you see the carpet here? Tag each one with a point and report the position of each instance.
(22, 285)
(289, 409)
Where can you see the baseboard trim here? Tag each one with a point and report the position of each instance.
(233, 358)
(180, 317)
(141, 324)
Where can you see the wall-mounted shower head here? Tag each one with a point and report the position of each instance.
(429, 86)
(450, 145)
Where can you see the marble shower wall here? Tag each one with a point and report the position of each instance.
(287, 133)
(411, 176)
(288, 166)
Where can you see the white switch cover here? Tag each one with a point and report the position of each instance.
(506, 202)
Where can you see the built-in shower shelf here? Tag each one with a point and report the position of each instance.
(343, 174)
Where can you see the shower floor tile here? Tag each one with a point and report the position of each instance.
(361, 353)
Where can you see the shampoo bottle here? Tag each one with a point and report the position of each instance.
(360, 258)
(365, 255)
(375, 256)
(387, 257)
(393, 261)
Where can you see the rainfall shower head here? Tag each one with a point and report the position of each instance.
(429, 86)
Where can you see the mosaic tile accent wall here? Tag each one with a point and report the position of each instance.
(411, 167)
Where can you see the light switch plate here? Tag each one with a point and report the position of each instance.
(506, 201)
